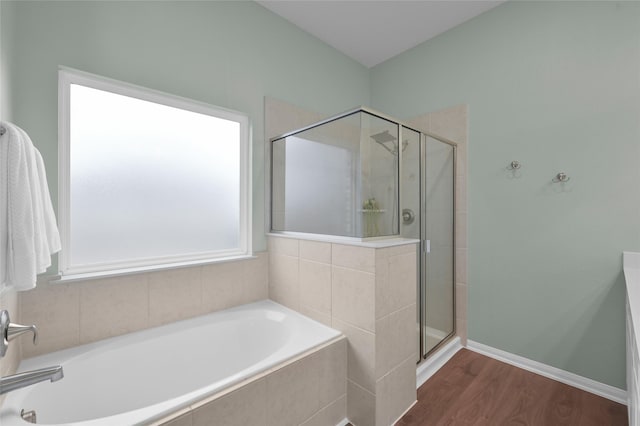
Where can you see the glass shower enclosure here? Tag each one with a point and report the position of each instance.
(364, 175)
(338, 178)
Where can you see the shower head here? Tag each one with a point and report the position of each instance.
(383, 137)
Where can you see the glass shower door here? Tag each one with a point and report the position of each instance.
(428, 214)
(438, 287)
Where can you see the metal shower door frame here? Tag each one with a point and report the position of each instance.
(423, 242)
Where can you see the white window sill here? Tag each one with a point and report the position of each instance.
(142, 269)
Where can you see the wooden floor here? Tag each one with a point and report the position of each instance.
(472, 389)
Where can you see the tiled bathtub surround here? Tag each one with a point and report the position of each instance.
(368, 293)
(76, 313)
(309, 390)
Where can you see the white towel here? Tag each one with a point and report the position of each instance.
(31, 232)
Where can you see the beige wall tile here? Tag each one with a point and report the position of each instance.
(282, 117)
(284, 285)
(361, 405)
(461, 265)
(396, 250)
(461, 229)
(315, 285)
(316, 251)
(396, 286)
(462, 161)
(451, 123)
(174, 295)
(461, 192)
(332, 372)
(461, 301)
(396, 339)
(55, 310)
(256, 278)
(222, 285)
(331, 415)
(353, 297)
(321, 317)
(284, 246)
(292, 393)
(113, 306)
(396, 392)
(353, 257)
(461, 330)
(361, 354)
(421, 122)
(184, 420)
(244, 406)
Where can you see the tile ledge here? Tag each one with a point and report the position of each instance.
(350, 241)
(62, 279)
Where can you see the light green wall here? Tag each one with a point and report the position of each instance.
(555, 85)
(229, 54)
(6, 40)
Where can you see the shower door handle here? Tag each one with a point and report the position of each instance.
(426, 244)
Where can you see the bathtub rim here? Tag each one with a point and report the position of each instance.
(180, 404)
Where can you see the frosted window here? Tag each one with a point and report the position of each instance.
(149, 183)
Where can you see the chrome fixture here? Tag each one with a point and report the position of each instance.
(515, 165)
(561, 177)
(28, 378)
(408, 216)
(383, 137)
(9, 331)
(28, 416)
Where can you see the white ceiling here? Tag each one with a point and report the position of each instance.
(373, 31)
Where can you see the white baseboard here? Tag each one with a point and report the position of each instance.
(562, 376)
(430, 366)
(343, 422)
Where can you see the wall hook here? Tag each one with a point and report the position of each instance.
(515, 165)
(561, 177)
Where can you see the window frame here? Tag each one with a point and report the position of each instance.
(67, 77)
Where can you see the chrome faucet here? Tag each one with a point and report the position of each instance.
(8, 332)
(28, 378)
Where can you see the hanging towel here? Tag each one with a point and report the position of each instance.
(30, 226)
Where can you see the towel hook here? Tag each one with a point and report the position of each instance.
(515, 165)
(561, 177)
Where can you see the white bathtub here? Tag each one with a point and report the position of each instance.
(144, 376)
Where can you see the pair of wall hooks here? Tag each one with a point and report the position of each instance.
(560, 177)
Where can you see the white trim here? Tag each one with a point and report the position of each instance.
(68, 76)
(606, 391)
(63, 279)
(431, 365)
(343, 422)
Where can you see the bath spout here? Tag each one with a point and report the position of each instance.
(28, 378)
